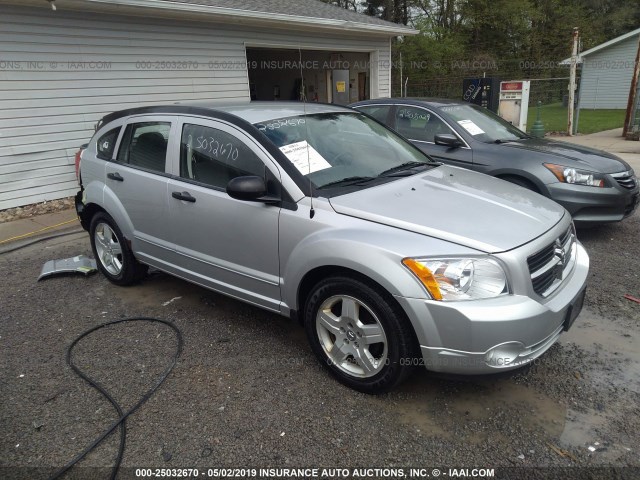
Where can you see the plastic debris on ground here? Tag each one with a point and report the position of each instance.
(78, 264)
(171, 301)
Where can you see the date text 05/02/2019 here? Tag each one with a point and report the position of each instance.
(341, 473)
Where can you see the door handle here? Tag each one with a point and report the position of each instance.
(115, 176)
(186, 196)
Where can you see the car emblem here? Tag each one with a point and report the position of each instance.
(560, 253)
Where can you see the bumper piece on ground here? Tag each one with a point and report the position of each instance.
(78, 264)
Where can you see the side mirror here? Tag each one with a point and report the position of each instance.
(448, 140)
(250, 189)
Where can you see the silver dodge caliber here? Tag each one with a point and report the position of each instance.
(320, 213)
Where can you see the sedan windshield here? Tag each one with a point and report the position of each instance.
(483, 124)
(343, 149)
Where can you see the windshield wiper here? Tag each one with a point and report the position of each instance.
(507, 140)
(348, 181)
(405, 169)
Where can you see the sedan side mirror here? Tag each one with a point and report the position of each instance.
(250, 189)
(448, 140)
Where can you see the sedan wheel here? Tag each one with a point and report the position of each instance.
(360, 334)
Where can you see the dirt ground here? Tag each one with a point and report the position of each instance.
(247, 391)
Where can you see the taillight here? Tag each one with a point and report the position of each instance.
(78, 153)
(78, 159)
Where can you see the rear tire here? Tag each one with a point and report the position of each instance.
(112, 252)
(359, 335)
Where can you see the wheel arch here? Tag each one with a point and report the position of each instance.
(87, 213)
(312, 277)
(522, 176)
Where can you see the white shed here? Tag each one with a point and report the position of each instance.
(61, 70)
(606, 73)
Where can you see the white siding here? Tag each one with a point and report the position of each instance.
(606, 76)
(60, 72)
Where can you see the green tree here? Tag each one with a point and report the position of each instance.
(510, 38)
(392, 10)
(347, 4)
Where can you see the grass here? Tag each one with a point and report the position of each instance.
(554, 119)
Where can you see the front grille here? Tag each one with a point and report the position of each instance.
(625, 180)
(549, 266)
(541, 258)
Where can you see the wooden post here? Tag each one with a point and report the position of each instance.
(572, 81)
(632, 94)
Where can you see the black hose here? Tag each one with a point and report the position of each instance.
(121, 422)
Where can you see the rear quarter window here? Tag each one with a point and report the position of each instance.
(379, 112)
(106, 144)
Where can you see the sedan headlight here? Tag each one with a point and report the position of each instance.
(450, 279)
(575, 176)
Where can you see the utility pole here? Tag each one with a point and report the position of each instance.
(572, 81)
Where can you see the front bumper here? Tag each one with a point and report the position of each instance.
(591, 205)
(504, 333)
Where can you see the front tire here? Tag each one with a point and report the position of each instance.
(362, 337)
(112, 252)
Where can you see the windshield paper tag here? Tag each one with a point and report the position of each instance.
(470, 127)
(305, 162)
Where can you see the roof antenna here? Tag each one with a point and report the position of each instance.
(303, 96)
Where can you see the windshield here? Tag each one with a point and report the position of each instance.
(340, 149)
(483, 124)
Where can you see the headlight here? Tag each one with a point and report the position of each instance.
(574, 176)
(450, 279)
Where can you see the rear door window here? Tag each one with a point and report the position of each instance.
(144, 145)
(417, 123)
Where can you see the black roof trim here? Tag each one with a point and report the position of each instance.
(427, 101)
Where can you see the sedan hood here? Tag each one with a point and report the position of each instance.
(457, 205)
(579, 156)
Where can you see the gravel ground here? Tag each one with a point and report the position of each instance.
(247, 391)
(35, 209)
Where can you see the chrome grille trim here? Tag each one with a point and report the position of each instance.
(550, 266)
(625, 179)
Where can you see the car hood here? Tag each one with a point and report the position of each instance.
(578, 155)
(457, 205)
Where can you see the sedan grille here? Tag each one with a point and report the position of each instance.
(625, 180)
(550, 266)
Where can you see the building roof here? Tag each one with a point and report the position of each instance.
(309, 13)
(602, 46)
(300, 8)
